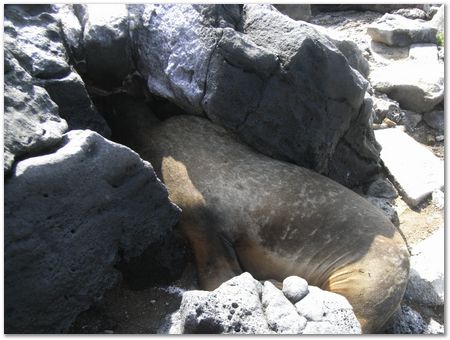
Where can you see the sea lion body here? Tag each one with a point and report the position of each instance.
(243, 211)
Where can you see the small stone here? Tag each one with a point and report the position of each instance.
(295, 288)
(152, 301)
(108, 331)
(439, 138)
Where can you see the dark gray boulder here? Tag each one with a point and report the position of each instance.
(31, 120)
(285, 89)
(69, 217)
(34, 36)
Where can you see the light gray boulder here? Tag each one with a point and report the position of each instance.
(396, 30)
(326, 308)
(281, 314)
(295, 288)
(295, 11)
(31, 120)
(233, 308)
(438, 20)
(242, 305)
(411, 13)
(416, 173)
(69, 217)
(268, 78)
(417, 86)
(426, 279)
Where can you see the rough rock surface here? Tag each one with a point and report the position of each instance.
(243, 305)
(438, 20)
(416, 173)
(396, 30)
(408, 321)
(295, 11)
(295, 288)
(320, 306)
(384, 107)
(418, 91)
(68, 215)
(233, 308)
(107, 44)
(379, 7)
(426, 281)
(31, 120)
(195, 56)
(411, 13)
(281, 314)
(34, 37)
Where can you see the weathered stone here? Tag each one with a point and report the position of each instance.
(396, 30)
(438, 199)
(37, 37)
(435, 119)
(376, 7)
(411, 13)
(295, 288)
(195, 56)
(68, 215)
(381, 188)
(233, 308)
(348, 48)
(107, 44)
(410, 119)
(31, 120)
(384, 107)
(417, 173)
(75, 105)
(295, 11)
(281, 315)
(416, 86)
(326, 307)
(438, 20)
(426, 279)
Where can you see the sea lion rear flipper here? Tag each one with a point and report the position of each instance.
(215, 258)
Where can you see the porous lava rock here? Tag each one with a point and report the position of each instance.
(70, 216)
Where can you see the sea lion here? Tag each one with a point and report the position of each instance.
(244, 211)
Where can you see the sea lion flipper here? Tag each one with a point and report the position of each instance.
(215, 257)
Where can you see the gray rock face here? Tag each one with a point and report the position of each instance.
(34, 37)
(67, 216)
(412, 13)
(295, 11)
(31, 120)
(417, 173)
(378, 7)
(107, 44)
(382, 188)
(426, 280)
(295, 288)
(243, 305)
(396, 30)
(289, 105)
(384, 107)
